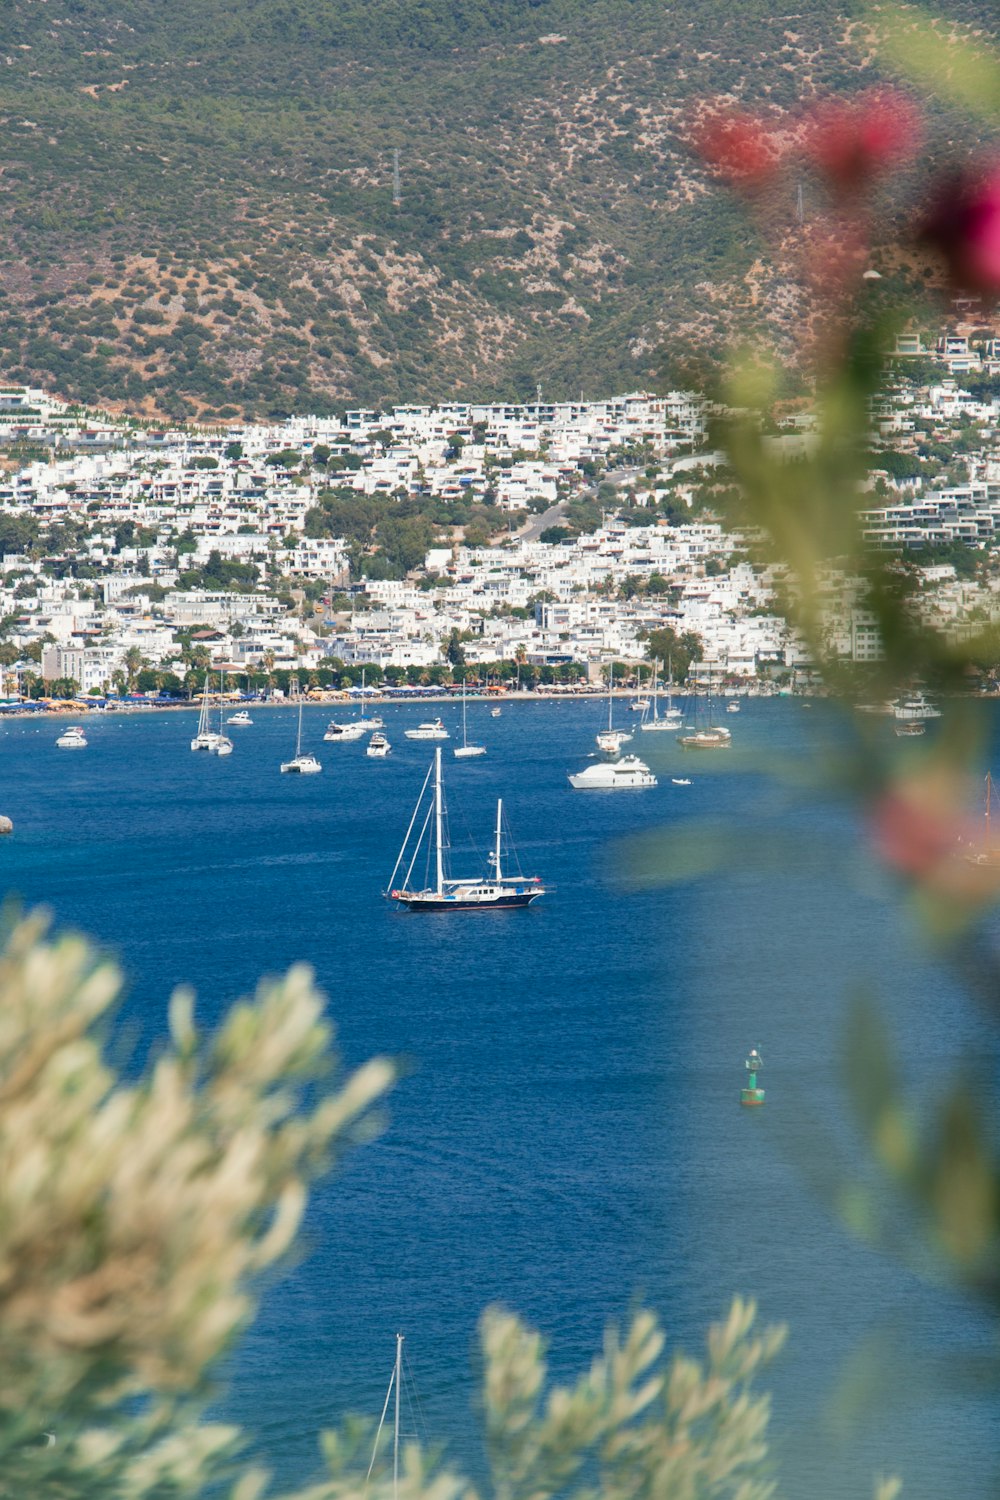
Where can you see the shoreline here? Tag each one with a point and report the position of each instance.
(343, 701)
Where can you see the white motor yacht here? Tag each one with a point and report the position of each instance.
(431, 729)
(914, 708)
(343, 732)
(72, 739)
(240, 718)
(628, 774)
(378, 746)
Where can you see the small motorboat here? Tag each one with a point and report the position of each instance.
(431, 729)
(72, 739)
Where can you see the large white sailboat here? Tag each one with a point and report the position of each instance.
(208, 739)
(494, 891)
(610, 740)
(465, 751)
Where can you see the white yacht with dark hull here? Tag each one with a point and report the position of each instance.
(494, 891)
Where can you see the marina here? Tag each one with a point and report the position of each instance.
(567, 1137)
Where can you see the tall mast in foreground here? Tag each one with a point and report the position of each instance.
(438, 820)
(395, 1426)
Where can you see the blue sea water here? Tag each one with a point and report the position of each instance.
(566, 1138)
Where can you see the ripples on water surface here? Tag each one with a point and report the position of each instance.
(566, 1139)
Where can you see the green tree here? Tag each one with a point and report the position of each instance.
(133, 661)
(665, 645)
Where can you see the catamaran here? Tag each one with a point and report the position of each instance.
(305, 765)
(215, 742)
(493, 891)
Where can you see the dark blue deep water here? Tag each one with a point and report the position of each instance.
(566, 1139)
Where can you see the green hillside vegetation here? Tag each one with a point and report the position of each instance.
(197, 198)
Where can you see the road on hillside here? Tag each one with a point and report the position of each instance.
(556, 514)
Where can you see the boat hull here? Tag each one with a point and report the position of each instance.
(418, 901)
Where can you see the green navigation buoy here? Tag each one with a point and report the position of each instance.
(752, 1094)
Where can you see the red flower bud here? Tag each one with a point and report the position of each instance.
(964, 227)
(851, 141)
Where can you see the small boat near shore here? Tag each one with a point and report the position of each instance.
(212, 741)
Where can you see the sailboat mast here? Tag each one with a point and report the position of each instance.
(395, 1425)
(989, 789)
(438, 820)
(611, 685)
(497, 872)
(464, 739)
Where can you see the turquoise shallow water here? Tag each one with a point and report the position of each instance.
(566, 1138)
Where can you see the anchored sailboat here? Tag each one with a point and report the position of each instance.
(442, 892)
(305, 765)
(216, 743)
(672, 718)
(610, 741)
(985, 852)
(465, 751)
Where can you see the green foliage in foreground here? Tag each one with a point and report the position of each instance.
(136, 1220)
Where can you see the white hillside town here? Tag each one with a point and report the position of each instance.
(557, 536)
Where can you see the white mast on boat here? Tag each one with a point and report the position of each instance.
(395, 1381)
(438, 819)
(497, 872)
(397, 1376)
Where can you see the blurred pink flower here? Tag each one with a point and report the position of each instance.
(850, 142)
(964, 227)
(921, 829)
(739, 146)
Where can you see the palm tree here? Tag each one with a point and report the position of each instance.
(134, 661)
